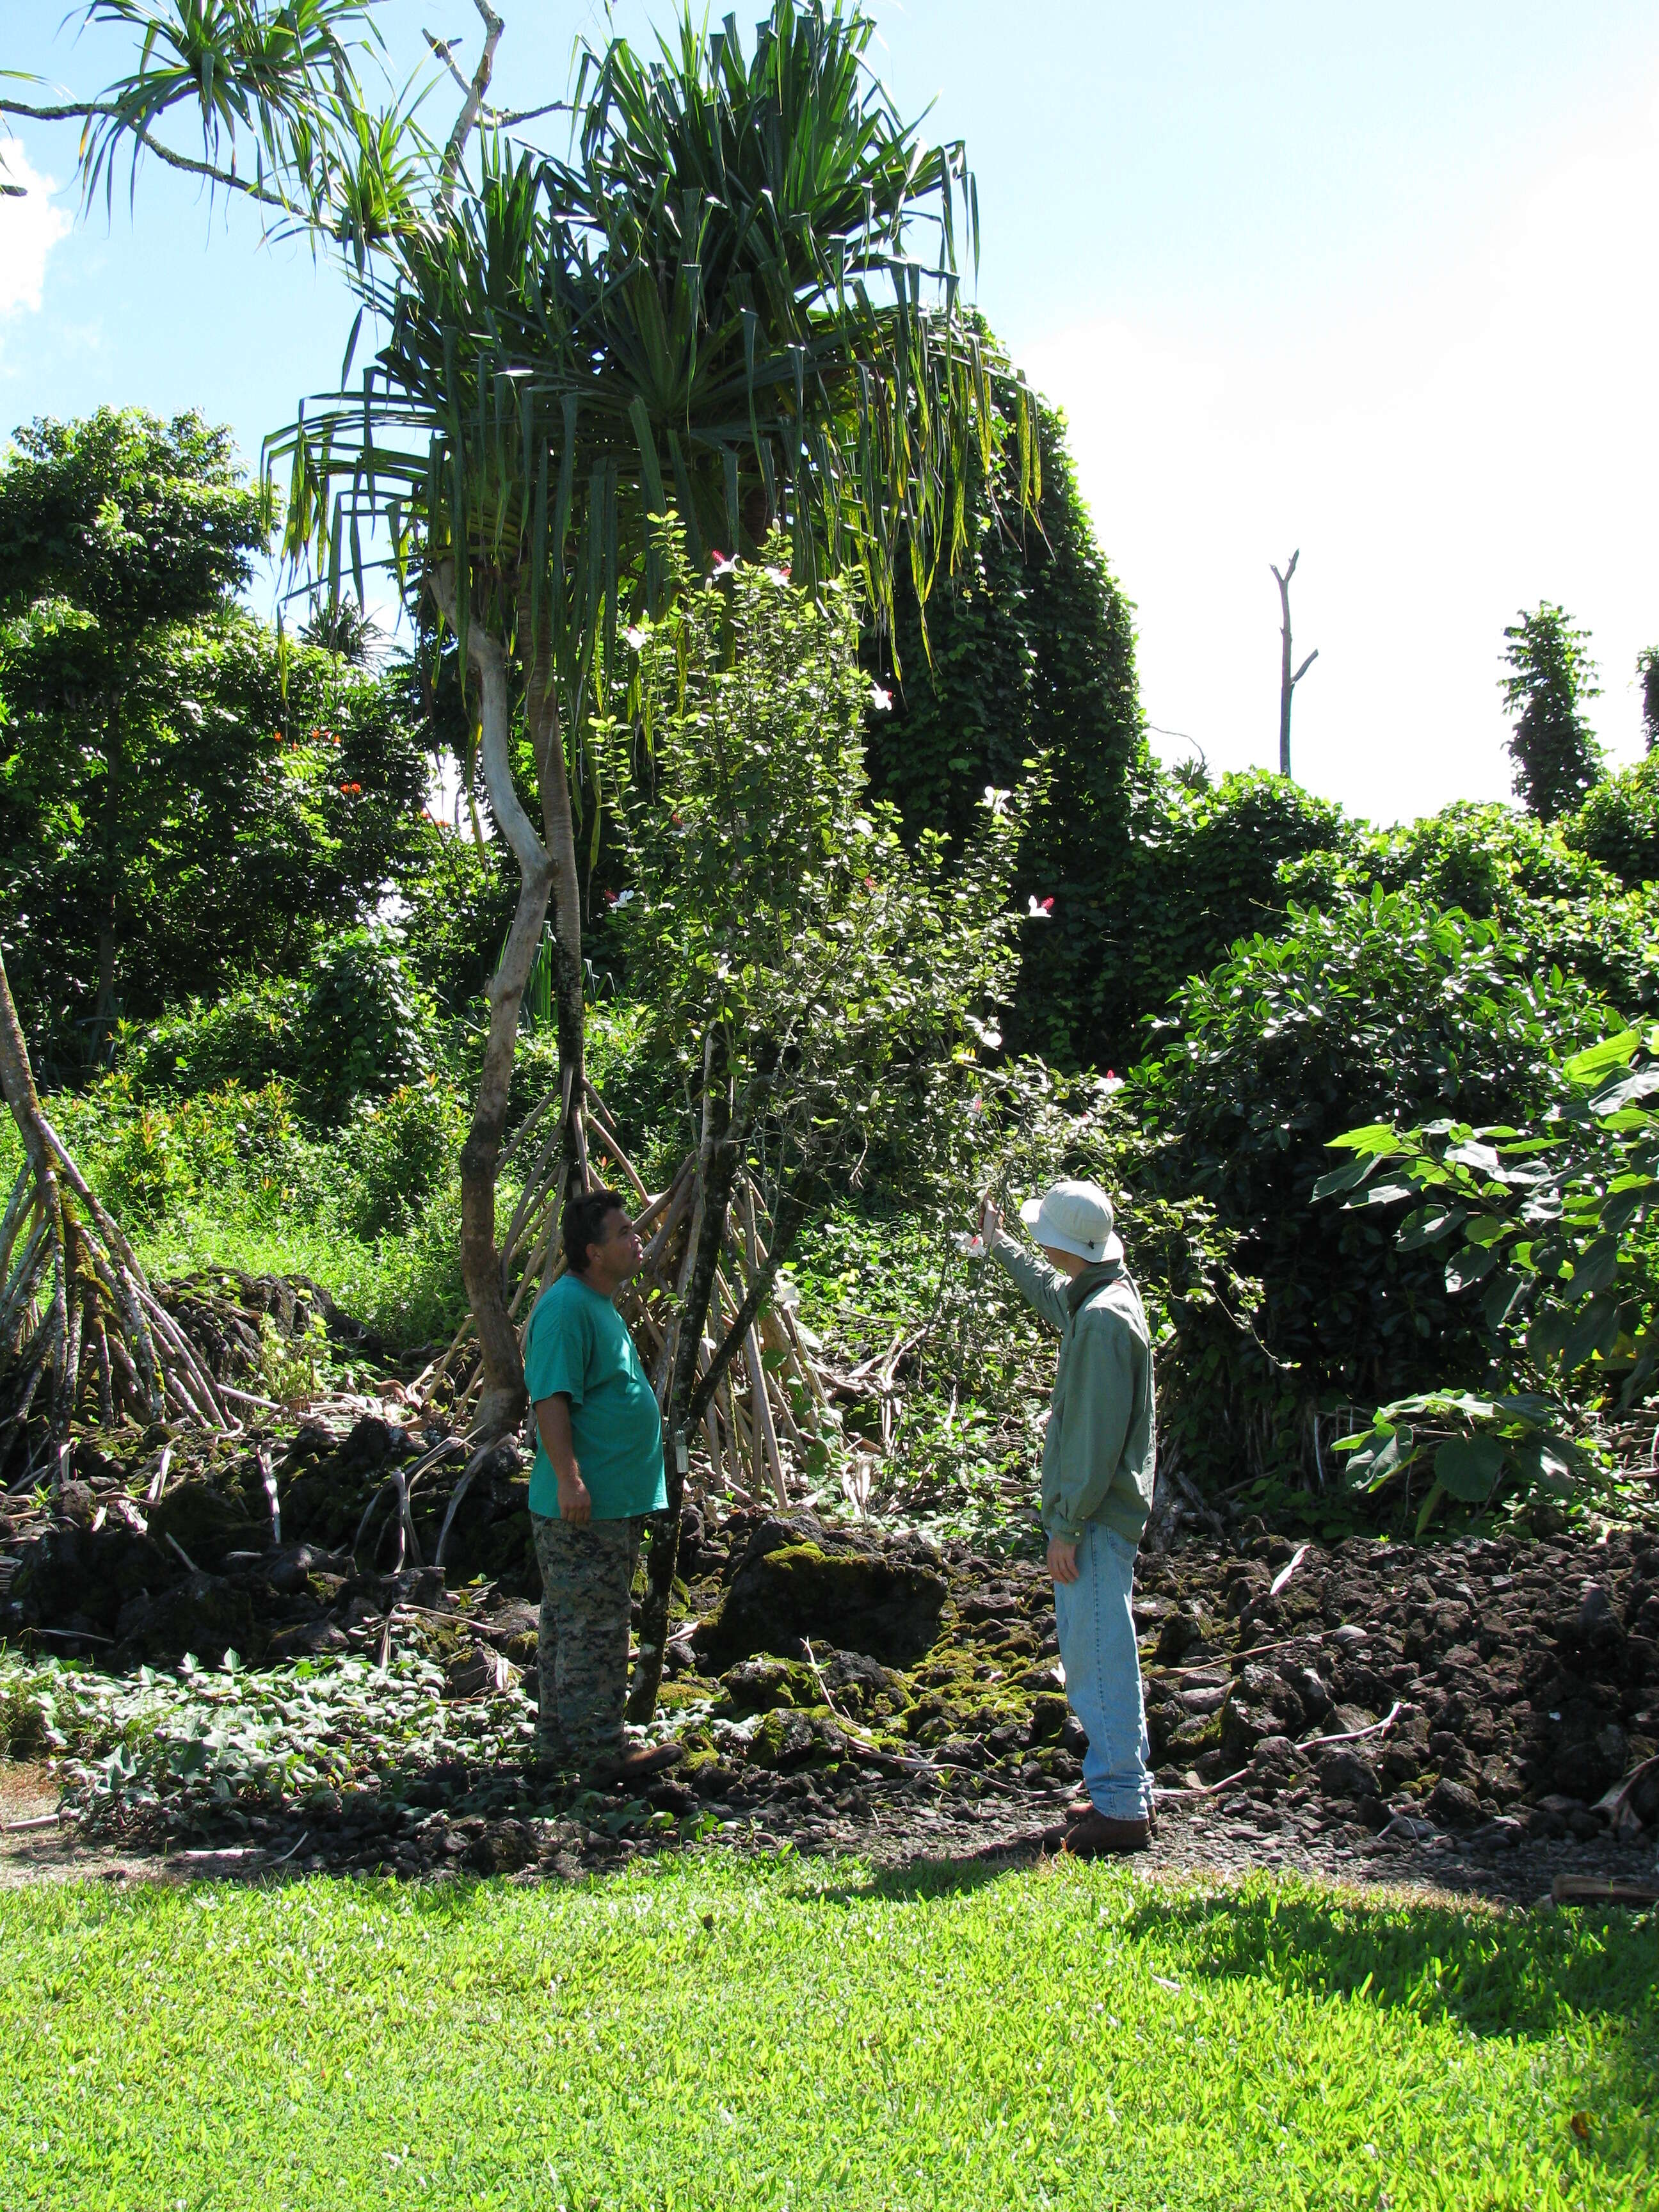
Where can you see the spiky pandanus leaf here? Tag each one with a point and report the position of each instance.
(714, 308)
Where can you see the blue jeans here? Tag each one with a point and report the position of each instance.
(1096, 1631)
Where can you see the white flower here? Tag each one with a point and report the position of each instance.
(620, 899)
(971, 1248)
(1112, 1082)
(881, 703)
(723, 567)
(997, 800)
(635, 636)
(1038, 909)
(777, 575)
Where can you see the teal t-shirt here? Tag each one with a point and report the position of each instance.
(579, 1344)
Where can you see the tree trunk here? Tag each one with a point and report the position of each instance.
(502, 1402)
(103, 1011)
(17, 1084)
(1287, 680)
(559, 831)
(717, 1169)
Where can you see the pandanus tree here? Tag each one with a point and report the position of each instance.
(712, 309)
(736, 300)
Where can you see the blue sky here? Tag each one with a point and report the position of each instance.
(1373, 283)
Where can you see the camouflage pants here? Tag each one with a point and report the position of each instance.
(582, 1651)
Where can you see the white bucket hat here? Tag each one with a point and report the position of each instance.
(1075, 1218)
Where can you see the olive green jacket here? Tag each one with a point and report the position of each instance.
(1100, 1450)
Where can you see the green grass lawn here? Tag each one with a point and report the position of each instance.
(708, 2035)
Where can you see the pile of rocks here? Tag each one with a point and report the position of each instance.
(843, 1687)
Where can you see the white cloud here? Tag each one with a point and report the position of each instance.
(29, 227)
(1481, 441)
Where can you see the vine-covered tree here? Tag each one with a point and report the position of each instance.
(1029, 650)
(1550, 678)
(1647, 672)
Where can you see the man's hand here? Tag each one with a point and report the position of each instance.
(990, 1221)
(1063, 1561)
(553, 1421)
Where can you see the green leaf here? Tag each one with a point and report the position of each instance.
(1618, 1096)
(1380, 1137)
(1585, 1067)
(1342, 1178)
(1470, 1267)
(1501, 1294)
(1594, 1269)
(1596, 1330)
(1388, 1194)
(1428, 1224)
(1429, 1504)
(1466, 1467)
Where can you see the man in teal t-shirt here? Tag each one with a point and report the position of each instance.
(598, 1472)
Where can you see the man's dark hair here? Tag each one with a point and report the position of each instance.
(582, 1223)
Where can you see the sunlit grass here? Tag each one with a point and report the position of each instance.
(708, 2035)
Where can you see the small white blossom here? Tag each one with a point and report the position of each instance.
(997, 800)
(881, 703)
(971, 1248)
(622, 898)
(635, 636)
(1038, 909)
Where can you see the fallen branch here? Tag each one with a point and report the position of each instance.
(1313, 1743)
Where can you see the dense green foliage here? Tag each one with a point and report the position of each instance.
(182, 805)
(776, 927)
(1558, 1220)
(349, 1025)
(717, 2035)
(1618, 824)
(1551, 676)
(1029, 652)
(1381, 1007)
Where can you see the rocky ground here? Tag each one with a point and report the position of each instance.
(1480, 1717)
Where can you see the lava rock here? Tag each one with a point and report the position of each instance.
(796, 1580)
(1344, 1773)
(1453, 1805)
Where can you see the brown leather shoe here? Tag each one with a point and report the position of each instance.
(1095, 1837)
(629, 1767)
(1081, 1808)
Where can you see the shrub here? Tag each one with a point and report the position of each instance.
(397, 1153)
(1618, 824)
(1382, 1008)
(355, 1026)
(1486, 860)
(1550, 894)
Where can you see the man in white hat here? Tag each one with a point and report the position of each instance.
(1097, 1464)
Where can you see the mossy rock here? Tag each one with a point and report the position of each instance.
(762, 1686)
(794, 1583)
